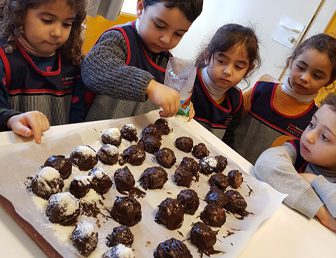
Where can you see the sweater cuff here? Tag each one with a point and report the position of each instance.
(327, 192)
(314, 205)
(5, 115)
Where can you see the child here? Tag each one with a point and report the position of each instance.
(312, 191)
(128, 62)
(275, 109)
(39, 66)
(229, 57)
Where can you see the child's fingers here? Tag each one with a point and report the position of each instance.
(21, 129)
(44, 123)
(165, 110)
(35, 122)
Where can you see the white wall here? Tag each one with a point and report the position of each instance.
(262, 15)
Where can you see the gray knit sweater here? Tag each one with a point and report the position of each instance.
(275, 166)
(120, 88)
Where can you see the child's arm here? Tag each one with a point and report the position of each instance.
(326, 219)
(104, 71)
(325, 190)
(275, 166)
(32, 123)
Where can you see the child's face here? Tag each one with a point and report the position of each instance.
(318, 141)
(161, 28)
(227, 69)
(47, 27)
(310, 71)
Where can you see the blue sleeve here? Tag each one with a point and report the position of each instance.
(5, 112)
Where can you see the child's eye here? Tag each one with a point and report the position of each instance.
(180, 35)
(324, 138)
(317, 77)
(311, 125)
(159, 26)
(240, 67)
(301, 68)
(46, 21)
(67, 24)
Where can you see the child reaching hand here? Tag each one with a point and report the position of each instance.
(127, 65)
(275, 109)
(305, 169)
(40, 64)
(230, 57)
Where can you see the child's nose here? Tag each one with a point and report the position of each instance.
(228, 70)
(305, 77)
(166, 38)
(310, 136)
(57, 31)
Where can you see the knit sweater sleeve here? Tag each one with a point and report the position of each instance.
(275, 167)
(327, 192)
(105, 72)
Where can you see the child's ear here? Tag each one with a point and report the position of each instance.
(140, 8)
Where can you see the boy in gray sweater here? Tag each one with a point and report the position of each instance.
(127, 64)
(306, 169)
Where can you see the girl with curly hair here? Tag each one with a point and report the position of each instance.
(40, 50)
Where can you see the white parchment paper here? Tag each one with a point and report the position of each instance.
(18, 161)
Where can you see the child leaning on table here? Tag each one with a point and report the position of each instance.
(305, 169)
(230, 57)
(40, 52)
(127, 64)
(275, 109)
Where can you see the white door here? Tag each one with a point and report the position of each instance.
(262, 15)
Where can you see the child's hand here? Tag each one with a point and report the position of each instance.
(167, 98)
(191, 111)
(326, 219)
(28, 124)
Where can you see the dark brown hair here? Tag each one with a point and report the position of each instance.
(228, 36)
(191, 8)
(11, 19)
(322, 43)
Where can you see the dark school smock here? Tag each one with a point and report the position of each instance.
(213, 116)
(137, 55)
(30, 88)
(300, 164)
(263, 123)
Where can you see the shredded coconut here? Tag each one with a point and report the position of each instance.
(47, 174)
(210, 161)
(110, 149)
(84, 229)
(84, 180)
(86, 150)
(130, 127)
(98, 173)
(66, 201)
(113, 133)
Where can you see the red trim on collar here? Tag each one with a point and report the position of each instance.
(38, 70)
(199, 75)
(152, 63)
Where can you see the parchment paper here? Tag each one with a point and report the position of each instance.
(18, 161)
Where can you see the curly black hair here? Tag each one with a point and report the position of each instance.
(11, 19)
